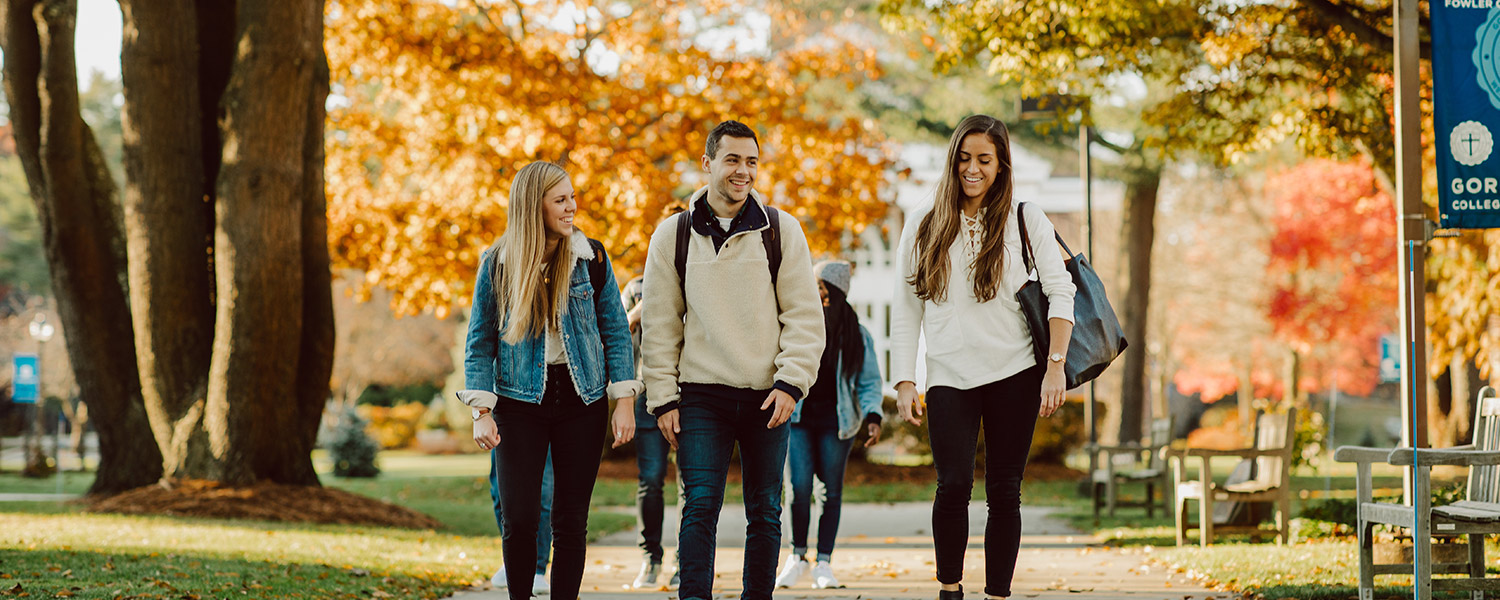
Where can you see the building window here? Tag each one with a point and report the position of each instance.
(888, 320)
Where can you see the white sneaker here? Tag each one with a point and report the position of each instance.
(497, 580)
(792, 572)
(540, 587)
(823, 578)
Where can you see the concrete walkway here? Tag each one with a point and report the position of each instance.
(892, 558)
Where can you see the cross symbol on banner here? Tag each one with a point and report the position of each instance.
(1470, 141)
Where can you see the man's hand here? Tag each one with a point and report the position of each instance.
(670, 425)
(1054, 390)
(873, 430)
(486, 433)
(783, 404)
(623, 423)
(908, 406)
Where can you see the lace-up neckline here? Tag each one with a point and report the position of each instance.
(973, 232)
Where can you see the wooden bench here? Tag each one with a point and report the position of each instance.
(1144, 466)
(1272, 482)
(1475, 516)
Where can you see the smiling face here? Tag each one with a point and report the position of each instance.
(978, 165)
(732, 173)
(558, 208)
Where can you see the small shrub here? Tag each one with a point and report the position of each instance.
(393, 427)
(352, 450)
(1335, 510)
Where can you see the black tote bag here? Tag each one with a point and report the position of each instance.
(1097, 336)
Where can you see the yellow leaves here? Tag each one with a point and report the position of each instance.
(438, 109)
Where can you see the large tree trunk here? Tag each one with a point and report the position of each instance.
(252, 387)
(1140, 231)
(288, 462)
(168, 226)
(80, 223)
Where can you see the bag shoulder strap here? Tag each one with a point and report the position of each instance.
(771, 238)
(1027, 255)
(596, 266)
(684, 235)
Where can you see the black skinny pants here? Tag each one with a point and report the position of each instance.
(575, 433)
(1007, 409)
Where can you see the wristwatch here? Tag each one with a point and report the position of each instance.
(479, 412)
(1055, 357)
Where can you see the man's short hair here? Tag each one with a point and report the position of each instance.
(732, 129)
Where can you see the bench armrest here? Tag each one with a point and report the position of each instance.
(1207, 452)
(1363, 454)
(1427, 457)
(1120, 449)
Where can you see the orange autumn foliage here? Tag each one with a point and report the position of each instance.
(437, 104)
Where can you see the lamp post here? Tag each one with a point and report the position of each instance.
(41, 331)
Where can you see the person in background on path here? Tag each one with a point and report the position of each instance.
(547, 348)
(731, 342)
(845, 399)
(651, 453)
(539, 586)
(960, 265)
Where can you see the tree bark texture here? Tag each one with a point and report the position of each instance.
(1140, 232)
(80, 221)
(224, 313)
(252, 388)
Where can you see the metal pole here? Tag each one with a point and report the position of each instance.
(1085, 172)
(1413, 232)
(1412, 227)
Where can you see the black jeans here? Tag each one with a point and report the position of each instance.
(713, 419)
(575, 434)
(1007, 411)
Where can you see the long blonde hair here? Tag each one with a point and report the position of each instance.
(940, 227)
(531, 294)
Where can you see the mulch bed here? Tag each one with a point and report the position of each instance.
(858, 472)
(263, 502)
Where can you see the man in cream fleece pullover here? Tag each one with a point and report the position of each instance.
(728, 351)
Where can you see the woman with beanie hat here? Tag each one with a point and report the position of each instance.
(844, 400)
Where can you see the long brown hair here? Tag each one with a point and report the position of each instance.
(528, 302)
(941, 226)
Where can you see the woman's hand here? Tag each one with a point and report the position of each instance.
(486, 433)
(873, 431)
(1054, 390)
(623, 422)
(907, 404)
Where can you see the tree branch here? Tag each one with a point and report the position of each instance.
(23, 64)
(1362, 30)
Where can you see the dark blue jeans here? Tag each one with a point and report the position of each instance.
(816, 451)
(651, 453)
(544, 523)
(1006, 409)
(713, 419)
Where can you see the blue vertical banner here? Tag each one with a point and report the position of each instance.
(1466, 111)
(26, 379)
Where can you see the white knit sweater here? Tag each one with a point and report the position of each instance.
(969, 343)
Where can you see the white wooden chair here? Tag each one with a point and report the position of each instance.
(1274, 434)
(1475, 516)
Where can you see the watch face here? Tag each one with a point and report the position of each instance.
(1056, 358)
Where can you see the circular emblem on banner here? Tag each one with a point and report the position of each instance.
(1470, 143)
(1487, 56)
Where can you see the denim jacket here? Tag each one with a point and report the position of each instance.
(859, 395)
(594, 334)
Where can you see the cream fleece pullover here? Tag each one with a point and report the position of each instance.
(970, 344)
(728, 330)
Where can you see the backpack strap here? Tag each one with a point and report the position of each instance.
(771, 238)
(1027, 253)
(596, 266)
(684, 235)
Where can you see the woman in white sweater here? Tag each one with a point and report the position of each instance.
(961, 266)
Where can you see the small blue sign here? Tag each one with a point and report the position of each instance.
(1466, 111)
(1390, 358)
(27, 379)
